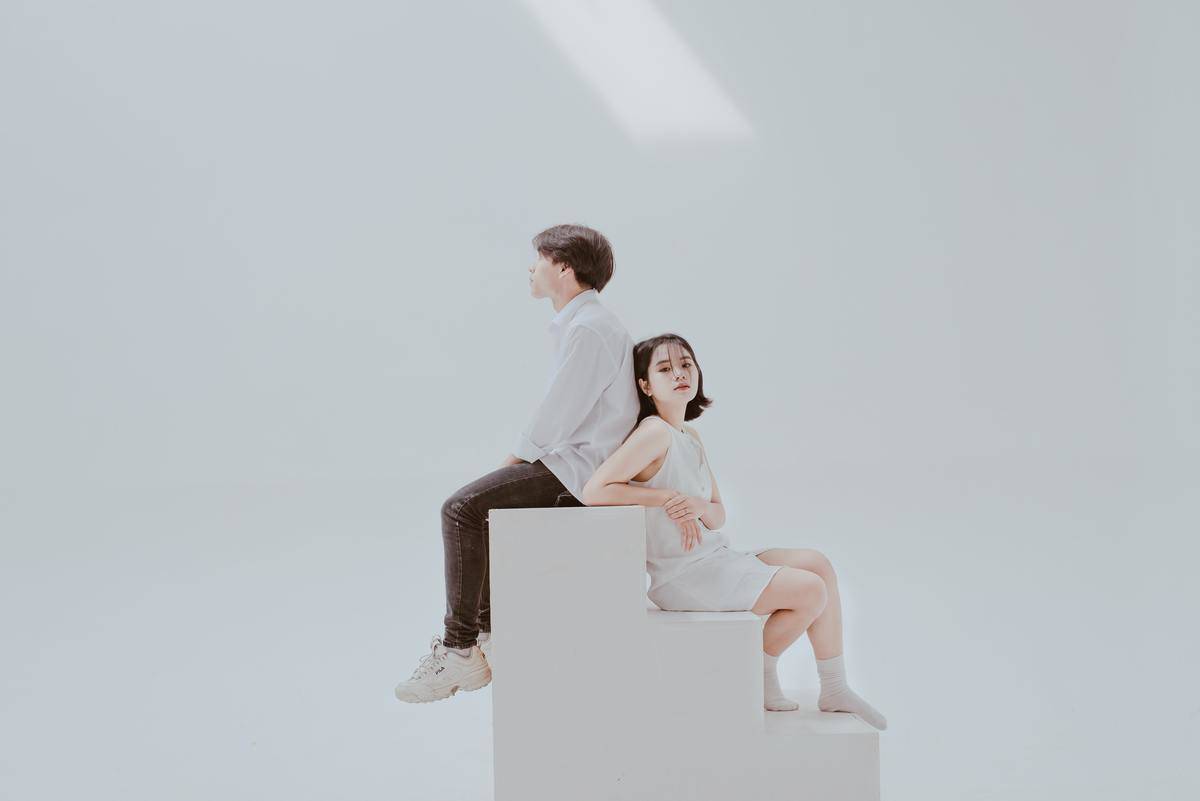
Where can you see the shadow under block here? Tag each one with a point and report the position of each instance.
(595, 696)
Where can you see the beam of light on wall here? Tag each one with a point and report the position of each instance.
(650, 80)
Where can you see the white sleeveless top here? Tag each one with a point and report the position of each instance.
(684, 469)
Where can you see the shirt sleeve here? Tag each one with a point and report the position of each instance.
(585, 370)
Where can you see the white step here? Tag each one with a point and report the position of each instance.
(597, 697)
(708, 666)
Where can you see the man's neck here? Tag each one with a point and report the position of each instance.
(562, 300)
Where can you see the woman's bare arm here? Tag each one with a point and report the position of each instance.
(714, 517)
(609, 485)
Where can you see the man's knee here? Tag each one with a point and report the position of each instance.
(452, 507)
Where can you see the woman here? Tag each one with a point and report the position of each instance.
(662, 465)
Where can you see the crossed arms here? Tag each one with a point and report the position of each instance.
(609, 485)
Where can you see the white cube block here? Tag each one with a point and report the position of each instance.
(595, 696)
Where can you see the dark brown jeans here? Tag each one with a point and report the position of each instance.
(465, 538)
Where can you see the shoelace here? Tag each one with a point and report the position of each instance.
(436, 655)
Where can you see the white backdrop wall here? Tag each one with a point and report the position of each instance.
(264, 305)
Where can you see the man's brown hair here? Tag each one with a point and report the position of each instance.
(583, 249)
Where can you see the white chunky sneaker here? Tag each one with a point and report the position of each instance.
(442, 673)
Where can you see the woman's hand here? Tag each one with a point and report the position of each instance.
(685, 507)
(684, 511)
(689, 530)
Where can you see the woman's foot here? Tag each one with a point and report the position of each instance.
(836, 696)
(849, 701)
(773, 698)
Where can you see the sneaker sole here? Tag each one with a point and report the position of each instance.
(475, 681)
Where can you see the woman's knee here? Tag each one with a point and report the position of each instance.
(793, 588)
(801, 559)
(816, 562)
(824, 567)
(809, 592)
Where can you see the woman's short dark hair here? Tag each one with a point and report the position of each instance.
(583, 249)
(643, 352)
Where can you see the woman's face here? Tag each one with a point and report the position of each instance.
(673, 377)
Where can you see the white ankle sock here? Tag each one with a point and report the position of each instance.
(773, 697)
(459, 651)
(836, 696)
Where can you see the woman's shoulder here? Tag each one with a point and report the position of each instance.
(656, 422)
(653, 426)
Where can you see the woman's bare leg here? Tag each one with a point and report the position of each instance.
(825, 632)
(793, 599)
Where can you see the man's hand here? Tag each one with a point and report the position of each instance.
(682, 507)
(510, 460)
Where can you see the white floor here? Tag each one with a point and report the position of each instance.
(243, 643)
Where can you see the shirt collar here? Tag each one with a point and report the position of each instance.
(571, 309)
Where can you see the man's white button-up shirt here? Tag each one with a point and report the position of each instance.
(591, 400)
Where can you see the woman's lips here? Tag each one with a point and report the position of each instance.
(684, 386)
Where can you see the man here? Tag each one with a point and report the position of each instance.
(590, 406)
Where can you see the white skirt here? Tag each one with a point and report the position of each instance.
(723, 581)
